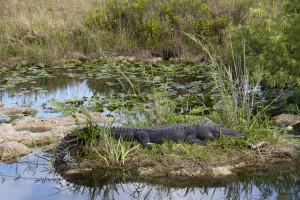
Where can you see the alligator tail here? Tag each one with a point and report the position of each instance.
(69, 141)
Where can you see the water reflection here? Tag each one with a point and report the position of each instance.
(27, 179)
(29, 96)
(264, 186)
(36, 87)
(33, 178)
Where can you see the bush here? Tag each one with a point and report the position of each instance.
(155, 23)
(272, 40)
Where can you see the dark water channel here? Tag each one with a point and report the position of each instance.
(33, 176)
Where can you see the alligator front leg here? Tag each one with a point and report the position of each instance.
(144, 139)
(192, 139)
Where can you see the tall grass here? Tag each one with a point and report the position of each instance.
(235, 90)
(44, 31)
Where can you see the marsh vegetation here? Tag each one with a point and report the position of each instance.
(234, 63)
(48, 32)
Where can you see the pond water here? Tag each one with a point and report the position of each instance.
(33, 179)
(105, 89)
(187, 84)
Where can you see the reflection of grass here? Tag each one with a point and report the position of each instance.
(106, 184)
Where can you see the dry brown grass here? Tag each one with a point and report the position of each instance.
(48, 31)
(57, 14)
(41, 30)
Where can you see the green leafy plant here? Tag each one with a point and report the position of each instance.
(270, 42)
(157, 24)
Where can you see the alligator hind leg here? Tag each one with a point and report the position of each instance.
(144, 138)
(192, 139)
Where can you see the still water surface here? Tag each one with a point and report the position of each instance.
(32, 179)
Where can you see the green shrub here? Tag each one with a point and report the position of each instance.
(155, 23)
(272, 41)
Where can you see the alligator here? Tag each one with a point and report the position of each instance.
(189, 133)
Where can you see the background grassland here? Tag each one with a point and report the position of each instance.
(44, 31)
(41, 31)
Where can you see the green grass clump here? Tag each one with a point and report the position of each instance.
(100, 146)
(104, 151)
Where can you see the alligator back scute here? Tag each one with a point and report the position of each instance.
(69, 141)
(167, 133)
(124, 132)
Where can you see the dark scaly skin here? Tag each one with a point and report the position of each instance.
(69, 141)
(189, 133)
